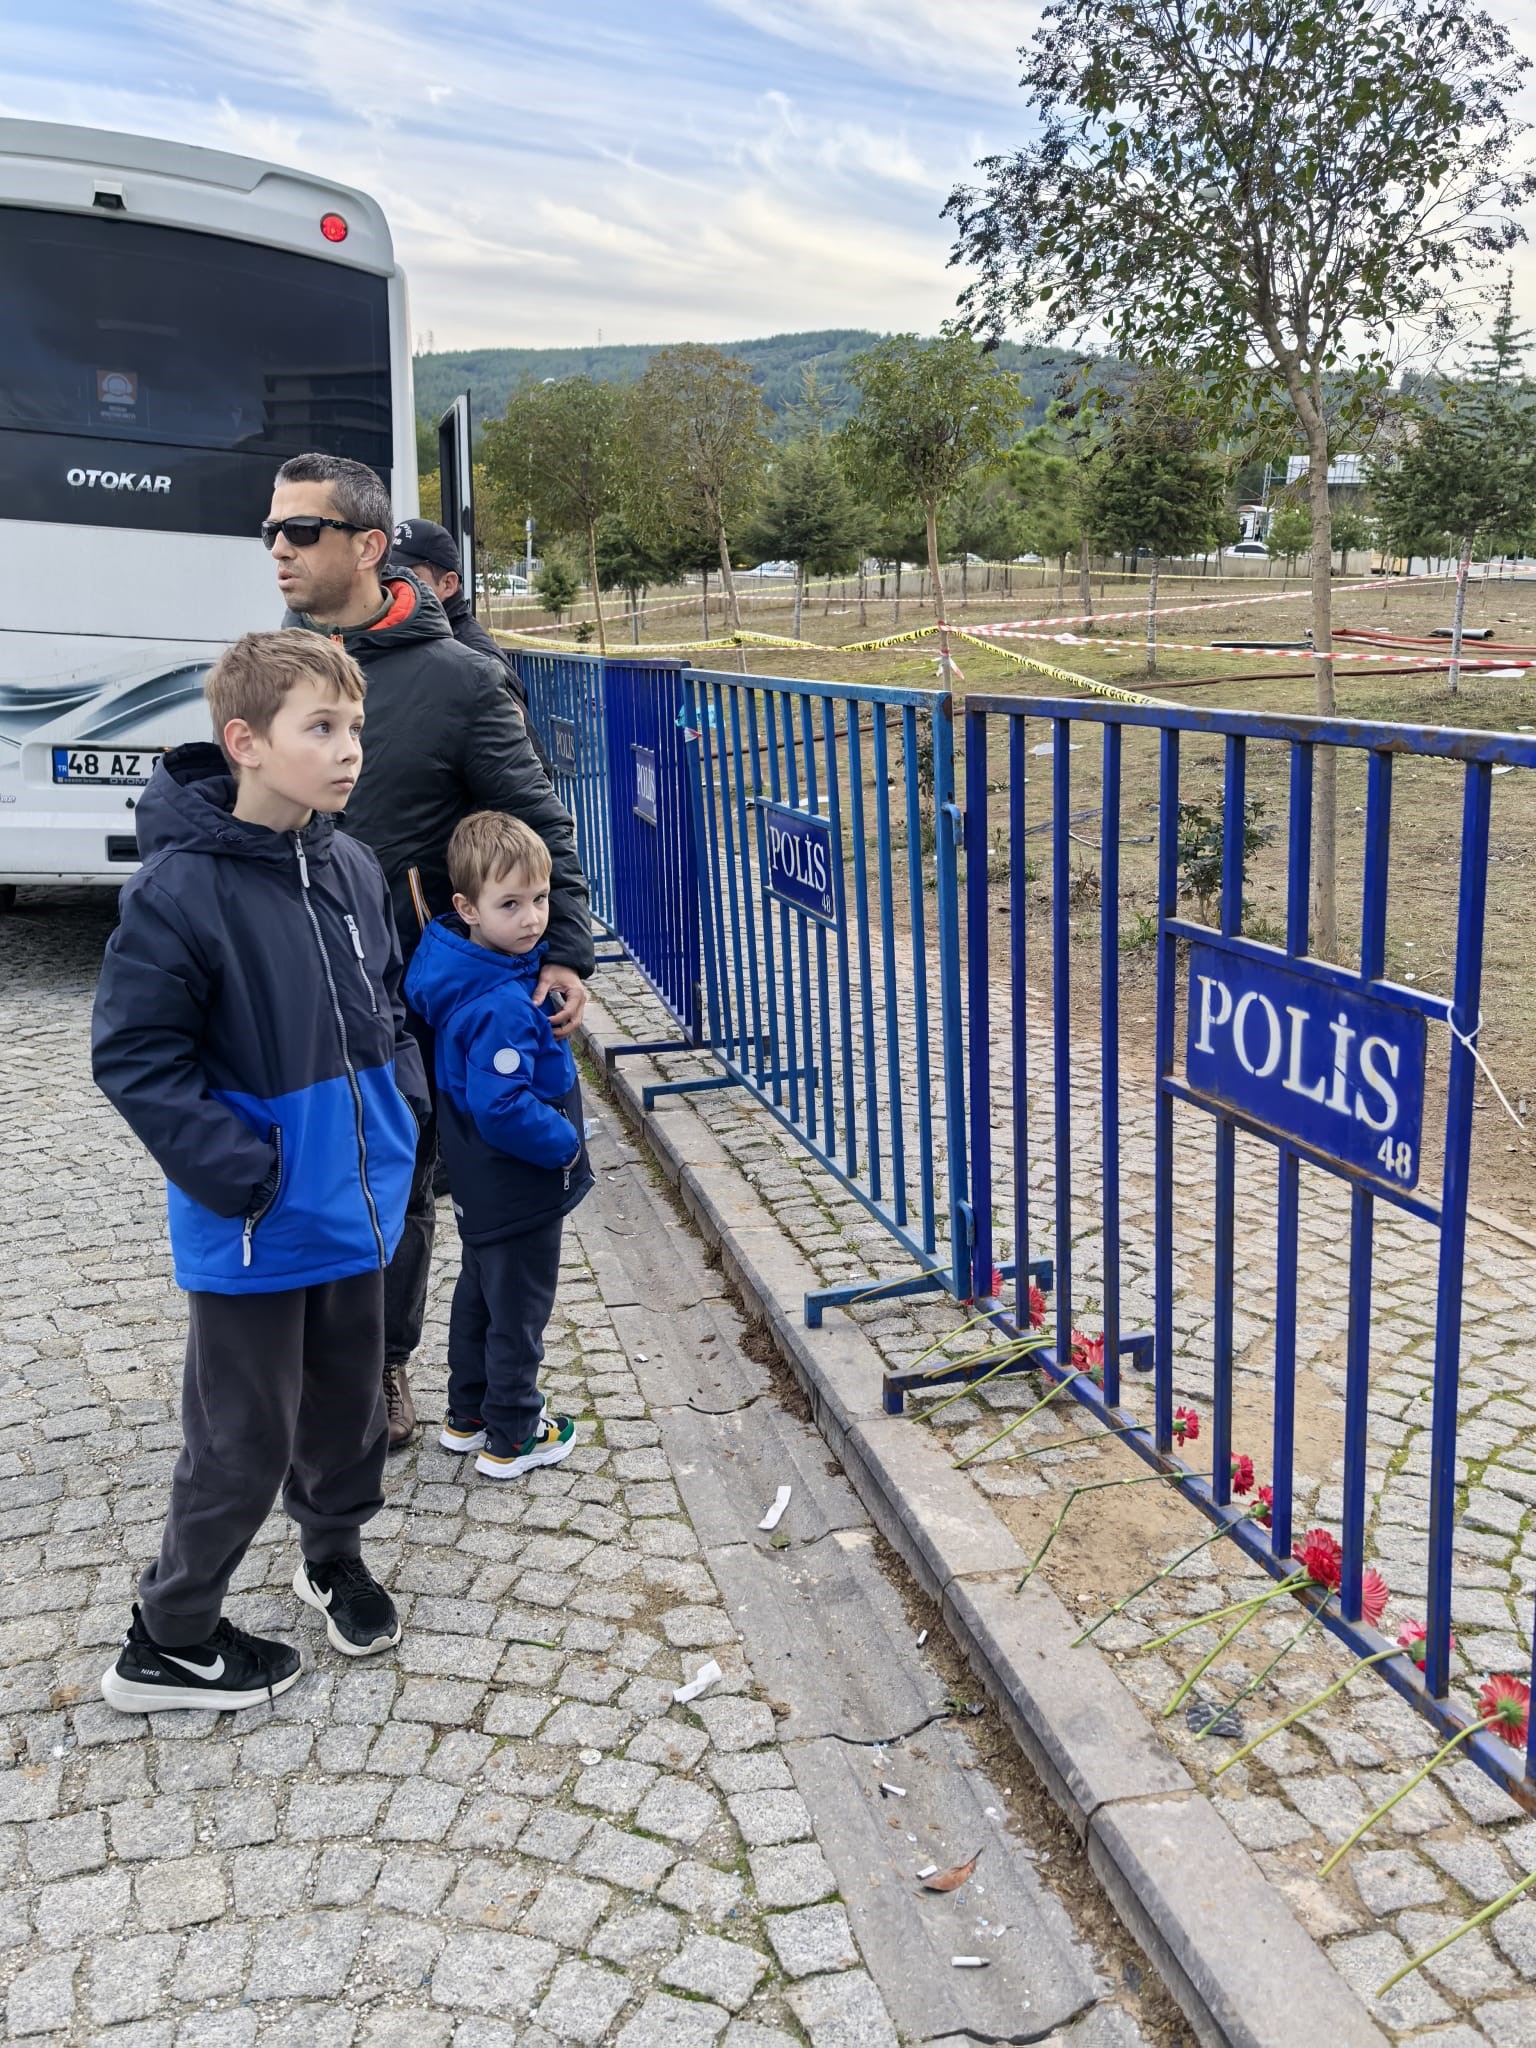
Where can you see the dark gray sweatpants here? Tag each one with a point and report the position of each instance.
(280, 1391)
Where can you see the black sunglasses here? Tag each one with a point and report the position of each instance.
(304, 532)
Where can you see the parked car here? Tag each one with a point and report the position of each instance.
(1248, 547)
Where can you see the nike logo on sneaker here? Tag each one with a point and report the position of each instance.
(211, 1672)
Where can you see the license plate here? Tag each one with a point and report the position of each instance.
(120, 766)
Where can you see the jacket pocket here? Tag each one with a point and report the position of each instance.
(266, 1196)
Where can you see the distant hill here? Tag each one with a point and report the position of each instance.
(778, 361)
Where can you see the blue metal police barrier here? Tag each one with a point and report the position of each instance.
(827, 835)
(566, 698)
(1324, 1064)
(655, 877)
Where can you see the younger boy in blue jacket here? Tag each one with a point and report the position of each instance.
(510, 1126)
(249, 1026)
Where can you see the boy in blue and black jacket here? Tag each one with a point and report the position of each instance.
(511, 1129)
(249, 1026)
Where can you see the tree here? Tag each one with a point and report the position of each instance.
(808, 515)
(1352, 531)
(1047, 479)
(1268, 196)
(557, 584)
(930, 412)
(555, 453)
(697, 443)
(895, 536)
(1470, 473)
(983, 518)
(626, 562)
(1290, 534)
(1154, 488)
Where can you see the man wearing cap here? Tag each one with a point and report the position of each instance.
(429, 552)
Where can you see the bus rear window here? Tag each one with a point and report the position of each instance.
(168, 338)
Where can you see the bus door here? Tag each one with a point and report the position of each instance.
(456, 469)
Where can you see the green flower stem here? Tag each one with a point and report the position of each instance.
(1147, 1584)
(1220, 1613)
(1095, 1486)
(1306, 1707)
(1386, 1806)
(1488, 1913)
(1005, 1357)
(1254, 1683)
(1210, 1656)
(948, 1337)
(1038, 1450)
(1051, 1393)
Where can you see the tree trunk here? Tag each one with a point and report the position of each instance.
(965, 583)
(634, 617)
(931, 520)
(1152, 619)
(706, 604)
(733, 609)
(1085, 578)
(1325, 789)
(1464, 562)
(1061, 583)
(799, 595)
(863, 596)
(896, 607)
(597, 596)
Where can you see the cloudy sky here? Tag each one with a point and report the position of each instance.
(689, 169)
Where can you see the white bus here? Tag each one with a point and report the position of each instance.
(176, 321)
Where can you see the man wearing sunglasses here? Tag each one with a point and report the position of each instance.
(444, 739)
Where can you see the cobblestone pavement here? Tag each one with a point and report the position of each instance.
(1455, 1843)
(507, 1831)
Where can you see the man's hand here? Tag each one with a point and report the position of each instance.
(566, 983)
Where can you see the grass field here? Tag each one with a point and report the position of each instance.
(1423, 900)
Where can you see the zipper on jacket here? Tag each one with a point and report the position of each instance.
(274, 1138)
(346, 1051)
(362, 964)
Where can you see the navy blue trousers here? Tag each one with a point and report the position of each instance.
(501, 1309)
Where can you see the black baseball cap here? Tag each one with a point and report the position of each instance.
(423, 540)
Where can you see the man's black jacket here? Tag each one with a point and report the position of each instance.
(444, 738)
(469, 632)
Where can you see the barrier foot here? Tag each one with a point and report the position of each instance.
(703, 1086)
(619, 959)
(861, 1290)
(624, 1052)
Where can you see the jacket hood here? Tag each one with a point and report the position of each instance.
(189, 807)
(450, 970)
(414, 615)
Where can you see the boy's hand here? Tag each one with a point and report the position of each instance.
(572, 991)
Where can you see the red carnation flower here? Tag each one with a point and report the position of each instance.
(1186, 1425)
(1036, 1308)
(1242, 1472)
(1413, 1637)
(1263, 1514)
(996, 1288)
(1088, 1355)
(1373, 1597)
(1321, 1558)
(1506, 1702)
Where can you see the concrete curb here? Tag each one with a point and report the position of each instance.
(1243, 1970)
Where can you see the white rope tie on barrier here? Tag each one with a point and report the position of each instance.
(1470, 1042)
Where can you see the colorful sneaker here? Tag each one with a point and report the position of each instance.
(359, 1615)
(461, 1433)
(554, 1439)
(227, 1671)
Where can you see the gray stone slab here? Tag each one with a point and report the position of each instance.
(729, 1467)
(827, 1637)
(907, 1936)
(1084, 1733)
(1222, 1937)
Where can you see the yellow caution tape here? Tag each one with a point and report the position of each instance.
(1064, 675)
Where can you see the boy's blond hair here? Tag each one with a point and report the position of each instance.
(488, 845)
(251, 679)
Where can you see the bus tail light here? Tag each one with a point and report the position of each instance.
(333, 227)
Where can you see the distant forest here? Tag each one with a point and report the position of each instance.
(779, 362)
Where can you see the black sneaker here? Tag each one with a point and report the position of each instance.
(231, 1669)
(359, 1615)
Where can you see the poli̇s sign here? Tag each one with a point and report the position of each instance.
(1341, 1071)
(645, 783)
(563, 733)
(799, 849)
